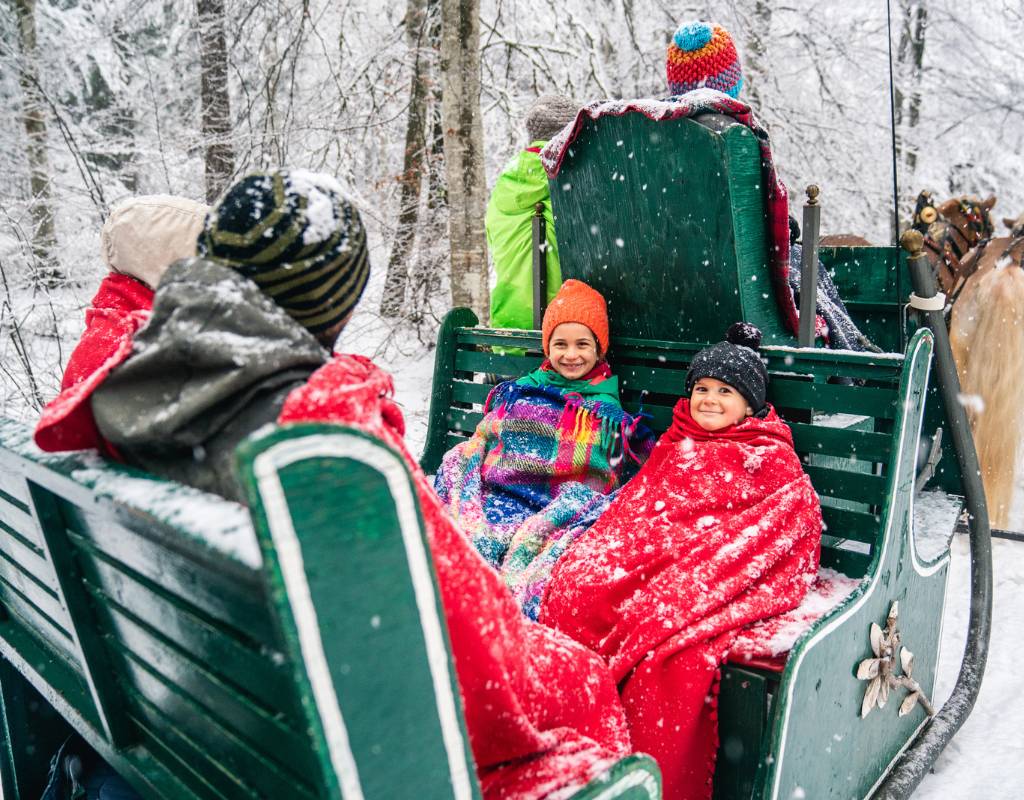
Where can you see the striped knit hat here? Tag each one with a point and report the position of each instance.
(294, 234)
(703, 54)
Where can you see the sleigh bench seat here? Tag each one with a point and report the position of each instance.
(790, 717)
(297, 651)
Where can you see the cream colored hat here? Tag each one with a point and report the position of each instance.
(144, 235)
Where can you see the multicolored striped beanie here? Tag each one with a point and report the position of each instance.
(296, 236)
(703, 54)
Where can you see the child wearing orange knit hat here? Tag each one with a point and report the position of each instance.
(550, 452)
(575, 330)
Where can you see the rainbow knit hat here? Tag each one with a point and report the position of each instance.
(703, 54)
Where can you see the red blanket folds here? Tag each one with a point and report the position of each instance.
(542, 712)
(717, 531)
(121, 306)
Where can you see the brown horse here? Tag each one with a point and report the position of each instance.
(1016, 226)
(951, 230)
(986, 286)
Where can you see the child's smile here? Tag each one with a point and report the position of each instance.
(573, 350)
(715, 405)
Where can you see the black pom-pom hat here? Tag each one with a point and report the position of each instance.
(737, 362)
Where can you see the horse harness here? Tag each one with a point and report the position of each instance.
(1014, 250)
(955, 246)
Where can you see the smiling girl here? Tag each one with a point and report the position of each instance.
(552, 449)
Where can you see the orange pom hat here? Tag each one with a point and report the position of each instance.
(577, 302)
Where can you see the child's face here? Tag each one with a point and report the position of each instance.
(715, 405)
(572, 350)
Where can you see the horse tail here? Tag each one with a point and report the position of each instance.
(987, 338)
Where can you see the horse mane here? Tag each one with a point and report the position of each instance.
(987, 338)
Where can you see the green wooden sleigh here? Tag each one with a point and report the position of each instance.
(202, 660)
(799, 730)
(667, 220)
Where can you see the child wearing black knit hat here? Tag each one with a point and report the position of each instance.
(727, 381)
(720, 527)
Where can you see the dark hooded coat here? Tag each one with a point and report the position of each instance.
(214, 363)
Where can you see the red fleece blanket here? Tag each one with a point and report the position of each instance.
(542, 712)
(717, 531)
(121, 306)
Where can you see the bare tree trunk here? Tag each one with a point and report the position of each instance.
(464, 152)
(44, 238)
(907, 93)
(432, 257)
(124, 122)
(411, 179)
(756, 57)
(215, 101)
(918, 24)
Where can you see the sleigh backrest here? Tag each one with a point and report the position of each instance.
(840, 406)
(667, 220)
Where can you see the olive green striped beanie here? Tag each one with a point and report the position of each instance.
(294, 234)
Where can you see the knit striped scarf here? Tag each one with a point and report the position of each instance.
(540, 468)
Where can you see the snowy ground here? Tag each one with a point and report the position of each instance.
(986, 758)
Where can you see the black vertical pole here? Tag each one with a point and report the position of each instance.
(917, 759)
(540, 266)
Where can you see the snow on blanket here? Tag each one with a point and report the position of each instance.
(716, 532)
(540, 468)
(768, 639)
(541, 712)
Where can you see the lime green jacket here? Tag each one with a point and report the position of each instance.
(520, 186)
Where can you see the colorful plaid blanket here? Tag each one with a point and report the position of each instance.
(701, 101)
(538, 471)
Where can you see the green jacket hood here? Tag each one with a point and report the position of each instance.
(523, 183)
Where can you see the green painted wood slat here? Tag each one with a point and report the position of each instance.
(859, 445)
(35, 619)
(267, 731)
(22, 552)
(847, 524)
(91, 650)
(259, 671)
(221, 748)
(206, 778)
(508, 366)
(475, 393)
(17, 521)
(785, 392)
(29, 587)
(845, 561)
(462, 421)
(208, 592)
(856, 486)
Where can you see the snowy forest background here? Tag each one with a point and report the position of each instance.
(108, 98)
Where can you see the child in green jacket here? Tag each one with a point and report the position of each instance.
(520, 186)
